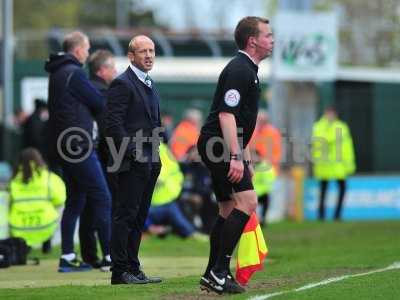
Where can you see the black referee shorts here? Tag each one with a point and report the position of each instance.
(223, 188)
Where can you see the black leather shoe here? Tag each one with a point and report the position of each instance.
(127, 278)
(143, 276)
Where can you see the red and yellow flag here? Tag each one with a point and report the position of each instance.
(251, 252)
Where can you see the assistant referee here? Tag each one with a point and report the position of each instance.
(223, 148)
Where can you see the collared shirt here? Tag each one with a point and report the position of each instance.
(245, 53)
(145, 78)
(238, 93)
(139, 73)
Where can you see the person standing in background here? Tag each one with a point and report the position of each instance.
(263, 181)
(34, 128)
(333, 157)
(101, 72)
(73, 104)
(186, 133)
(267, 141)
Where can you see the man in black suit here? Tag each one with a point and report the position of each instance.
(133, 111)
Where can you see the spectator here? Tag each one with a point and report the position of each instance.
(35, 195)
(167, 122)
(164, 209)
(267, 140)
(197, 199)
(186, 133)
(333, 157)
(18, 119)
(34, 128)
(263, 180)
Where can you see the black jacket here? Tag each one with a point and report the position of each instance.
(34, 132)
(73, 101)
(102, 148)
(128, 109)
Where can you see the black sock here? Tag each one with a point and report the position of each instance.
(215, 239)
(230, 235)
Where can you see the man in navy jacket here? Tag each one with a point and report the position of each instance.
(102, 71)
(133, 111)
(73, 103)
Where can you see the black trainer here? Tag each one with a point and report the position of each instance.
(127, 278)
(220, 283)
(232, 286)
(75, 265)
(209, 285)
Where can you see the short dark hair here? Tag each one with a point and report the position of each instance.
(40, 104)
(98, 59)
(73, 40)
(247, 27)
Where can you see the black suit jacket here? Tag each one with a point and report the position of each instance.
(128, 110)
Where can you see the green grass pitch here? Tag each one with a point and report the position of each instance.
(299, 254)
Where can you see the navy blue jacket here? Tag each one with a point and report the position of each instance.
(73, 101)
(128, 109)
(102, 150)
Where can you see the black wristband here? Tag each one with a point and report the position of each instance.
(236, 156)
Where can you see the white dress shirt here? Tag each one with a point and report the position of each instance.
(245, 53)
(141, 75)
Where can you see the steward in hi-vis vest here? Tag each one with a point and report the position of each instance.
(33, 204)
(333, 157)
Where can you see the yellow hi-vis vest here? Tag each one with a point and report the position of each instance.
(332, 150)
(170, 180)
(264, 178)
(33, 215)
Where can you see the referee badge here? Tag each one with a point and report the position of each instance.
(232, 98)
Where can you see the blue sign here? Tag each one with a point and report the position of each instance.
(367, 198)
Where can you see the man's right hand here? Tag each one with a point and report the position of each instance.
(236, 169)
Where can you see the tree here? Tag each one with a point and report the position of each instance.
(45, 14)
(369, 32)
(36, 20)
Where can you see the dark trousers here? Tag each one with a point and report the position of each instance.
(132, 201)
(87, 228)
(342, 190)
(263, 201)
(46, 246)
(85, 181)
(87, 234)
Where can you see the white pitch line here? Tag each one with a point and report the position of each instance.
(395, 265)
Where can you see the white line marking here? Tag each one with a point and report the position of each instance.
(395, 265)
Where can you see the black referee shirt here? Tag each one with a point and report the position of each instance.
(237, 92)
